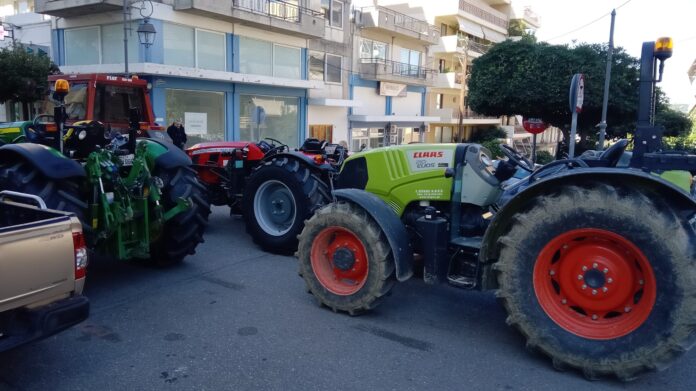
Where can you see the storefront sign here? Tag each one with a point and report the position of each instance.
(392, 89)
(196, 123)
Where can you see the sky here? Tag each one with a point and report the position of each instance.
(637, 21)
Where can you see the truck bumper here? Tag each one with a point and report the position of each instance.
(24, 326)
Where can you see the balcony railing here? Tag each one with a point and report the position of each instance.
(403, 21)
(400, 68)
(284, 10)
(478, 47)
(481, 13)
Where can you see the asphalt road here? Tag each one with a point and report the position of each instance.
(234, 318)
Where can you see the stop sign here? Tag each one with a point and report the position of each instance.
(534, 125)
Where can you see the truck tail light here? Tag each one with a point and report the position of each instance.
(80, 248)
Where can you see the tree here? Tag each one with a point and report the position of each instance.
(532, 79)
(24, 76)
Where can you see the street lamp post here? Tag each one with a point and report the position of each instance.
(146, 31)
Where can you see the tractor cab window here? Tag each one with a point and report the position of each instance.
(75, 103)
(112, 103)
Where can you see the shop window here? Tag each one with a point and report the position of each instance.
(179, 45)
(269, 116)
(210, 50)
(82, 46)
(202, 113)
(366, 139)
(321, 132)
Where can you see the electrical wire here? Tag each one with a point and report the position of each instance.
(588, 23)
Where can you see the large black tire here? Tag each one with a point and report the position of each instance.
(646, 234)
(348, 227)
(279, 196)
(184, 231)
(63, 195)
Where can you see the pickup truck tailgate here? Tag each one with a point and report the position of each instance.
(33, 263)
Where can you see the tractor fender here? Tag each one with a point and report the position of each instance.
(161, 153)
(389, 223)
(50, 162)
(305, 159)
(648, 183)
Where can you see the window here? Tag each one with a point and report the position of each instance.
(113, 103)
(438, 101)
(202, 113)
(316, 66)
(280, 121)
(286, 62)
(443, 29)
(265, 58)
(441, 65)
(210, 50)
(370, 49)
(321, 132)
(333, 12)
(112, 43)
(410, 61)
(178, 45)
(333, 68)
(82, 46)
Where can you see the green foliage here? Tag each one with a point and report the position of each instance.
(533, 79)
(489, 138)
(544, 157)
(24, 76)
(676, 123)
(516, 28)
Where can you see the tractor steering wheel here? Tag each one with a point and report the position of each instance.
(276, 146)
(38, 117)
(517, 158)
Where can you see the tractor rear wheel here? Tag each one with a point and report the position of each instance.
(600, 279)
(279, 196)
(345, 259)
(63, 195)
(182, 233)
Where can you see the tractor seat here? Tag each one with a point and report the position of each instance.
(607, 158)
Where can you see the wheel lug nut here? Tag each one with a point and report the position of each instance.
(605, 270)
(627, 309)
(564, 301)
(565, 246)
(594, 317)
(594, 265)
(641, 282)
(579, 276)
(604, 289)
(552, 272)
(594, 291)
(610, 280)
(584, 268)
(584, 286)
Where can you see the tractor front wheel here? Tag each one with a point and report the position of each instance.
(183, 232)
(345, 259)
(600, 279)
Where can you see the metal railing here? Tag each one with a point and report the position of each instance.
(403, 21)
(291, 12)
(400, 68)
(481, 13)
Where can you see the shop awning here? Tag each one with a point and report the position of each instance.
(480, 31)
(379, 121)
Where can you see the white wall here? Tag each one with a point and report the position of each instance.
(328, 115)
(372, 102)
(407, 105)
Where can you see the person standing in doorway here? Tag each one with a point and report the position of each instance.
(177, 133)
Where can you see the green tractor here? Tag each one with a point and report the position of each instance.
(593, 259)
(137, 198)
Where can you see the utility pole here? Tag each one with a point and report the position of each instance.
(607, 79)
(463, 62)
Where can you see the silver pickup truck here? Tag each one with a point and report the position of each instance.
(43, 259)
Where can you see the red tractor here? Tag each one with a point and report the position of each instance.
(275, 188)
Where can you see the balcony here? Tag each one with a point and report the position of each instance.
(531, 18)
(497, 19)
(405, 26)
(456, 44)
(275, 15)
(448, 80)
(69, 8)
(451, 116)
(397, 72)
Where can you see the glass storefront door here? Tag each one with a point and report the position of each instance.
(202, 113)
(269, 116)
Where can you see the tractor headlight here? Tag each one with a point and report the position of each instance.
(82, 135)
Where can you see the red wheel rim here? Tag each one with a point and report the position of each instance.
(594, 283)
(339, 261)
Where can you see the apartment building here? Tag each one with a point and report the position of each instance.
(234, 69)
